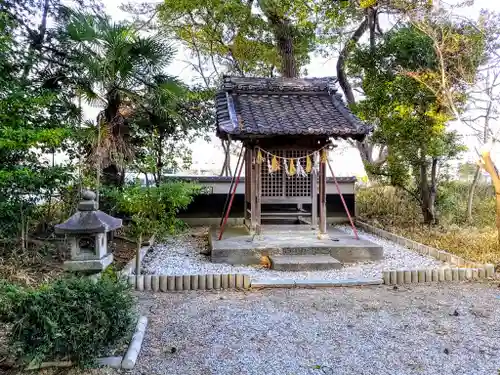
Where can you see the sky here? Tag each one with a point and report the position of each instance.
(345, 160)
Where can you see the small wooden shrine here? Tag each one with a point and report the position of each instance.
(285, 126)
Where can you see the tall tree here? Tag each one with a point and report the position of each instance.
(33, 120)
(467, 55)
(118, 66)
(34, 20)
(351, 21)
(397, 79)
(448, 85)
(243, 37)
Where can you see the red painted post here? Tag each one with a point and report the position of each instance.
(231, 201)
(343, 201)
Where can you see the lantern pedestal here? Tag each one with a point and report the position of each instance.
(90, 265)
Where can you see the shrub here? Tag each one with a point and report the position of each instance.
(73, 319)
(391, 205)
(452, 203)
(153, 209)
(177, 196)
(10, 297)
(387, 204)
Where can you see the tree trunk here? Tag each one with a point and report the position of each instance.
(371, 15)
(369, 23)
(366, 153)
(365, 148)
(226, 167)
(159, 157)
(37, 40)
(284, 38)
(111, 176)
(344, 54)
(433, 189)
(428, 192)
(114, 173)
(283, 32)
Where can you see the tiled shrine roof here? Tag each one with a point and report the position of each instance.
(249, 107)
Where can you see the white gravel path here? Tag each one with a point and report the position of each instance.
(419, 330)
(426, 330)
(181, 255)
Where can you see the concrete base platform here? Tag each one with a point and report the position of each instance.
(239, 247)
(304, 262)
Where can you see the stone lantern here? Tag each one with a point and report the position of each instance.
(87, 233)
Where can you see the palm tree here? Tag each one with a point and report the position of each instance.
(117, 67)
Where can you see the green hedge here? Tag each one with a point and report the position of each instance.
(72, 319)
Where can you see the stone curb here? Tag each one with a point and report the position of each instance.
(260, 284)
(177, 283)
(115, 362)
(171, 283)
(405, 276)
(130, 266)
(112, 362)
(441, 255)
(134, 348)
(32, 366)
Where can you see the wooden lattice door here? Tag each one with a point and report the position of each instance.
(279, 185)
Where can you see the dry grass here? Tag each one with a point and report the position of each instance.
(30, 267)
(394, 210)
(28, 276)
(469, 243)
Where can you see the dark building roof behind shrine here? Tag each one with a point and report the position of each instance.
(250, 107)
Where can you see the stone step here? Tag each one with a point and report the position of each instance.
(304, 262)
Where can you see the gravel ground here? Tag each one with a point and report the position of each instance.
(426, 330)
(421, 330)
(181, 256)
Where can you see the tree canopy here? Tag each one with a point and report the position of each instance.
(399, 78)
(33, 120)
(410, 77)
(249, 37)
(73, 53)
